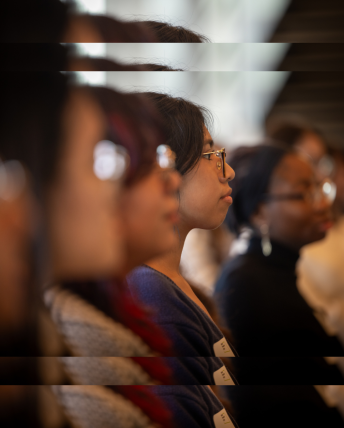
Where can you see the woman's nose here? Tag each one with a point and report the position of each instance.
(229, 173)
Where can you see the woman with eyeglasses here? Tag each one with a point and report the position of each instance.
(279, 199)
(204, 198)
(320, 267)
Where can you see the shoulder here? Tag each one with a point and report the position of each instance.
(143, 277)
(241, 272)
(156, 290)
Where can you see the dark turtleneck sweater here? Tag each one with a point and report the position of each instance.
(259, 300)
(269, 320)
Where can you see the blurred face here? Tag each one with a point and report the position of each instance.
(205, 194)
(297, 222)
(339, 181)
(312, 145)
(83, 224)
(16, 231)
(149, 210)
(314, 148)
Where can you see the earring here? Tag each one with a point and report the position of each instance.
(266, 244)
(219, 165)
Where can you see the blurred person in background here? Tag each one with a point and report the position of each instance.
(320, 269)
(276, 195)
(279, 198)
(305, 138)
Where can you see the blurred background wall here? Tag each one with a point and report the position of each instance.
(243, 80)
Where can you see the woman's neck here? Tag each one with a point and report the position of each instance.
(169, 262)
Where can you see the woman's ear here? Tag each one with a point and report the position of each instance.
(260, 216)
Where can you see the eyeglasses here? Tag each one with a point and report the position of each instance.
(165, 156)
(324, 190)
(324, 166)
(220, 154)
(111, 161)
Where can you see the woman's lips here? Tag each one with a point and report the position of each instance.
(227, 197)
(173, 217)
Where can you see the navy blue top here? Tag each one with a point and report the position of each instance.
(191, 330)
(194, 406)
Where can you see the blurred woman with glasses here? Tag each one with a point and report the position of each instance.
(79, 155)
(278, 197)
(320, 271)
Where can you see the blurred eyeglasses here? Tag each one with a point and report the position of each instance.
(12, 180)
(165, 156)
(221, 154)
(111, 161)
(326, 166)
(324, 190)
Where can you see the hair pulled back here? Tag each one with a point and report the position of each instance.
(184, 122)
(168, 33)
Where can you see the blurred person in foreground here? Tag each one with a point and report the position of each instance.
(99, 319)
(62, 141)
(55, 21)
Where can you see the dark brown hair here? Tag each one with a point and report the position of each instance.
(135, 124)
(113, 30)
(168, 33)
(184, 121)
(289, 132)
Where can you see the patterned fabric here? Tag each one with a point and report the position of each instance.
(88, 331)
(100, 407)
(105, 371)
